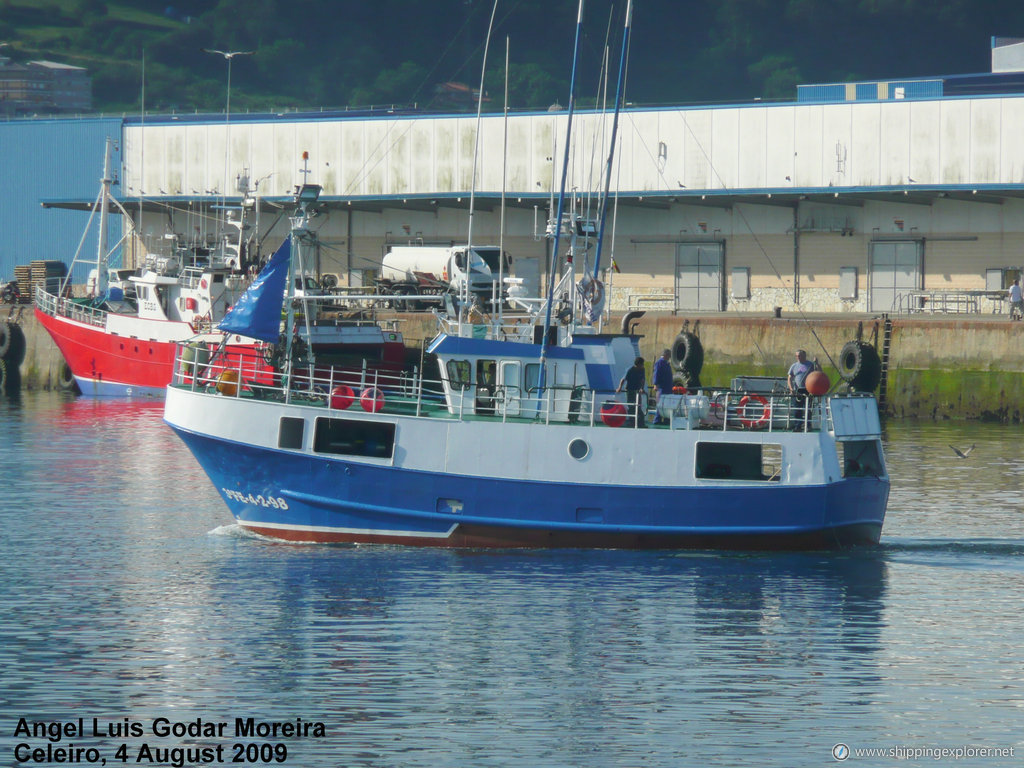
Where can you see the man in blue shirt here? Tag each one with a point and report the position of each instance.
(662, 378)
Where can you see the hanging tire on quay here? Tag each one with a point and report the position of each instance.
(5, 340)
(10, 379)
(15, 344)
(688, 356)
(860, 366)
(66, 379)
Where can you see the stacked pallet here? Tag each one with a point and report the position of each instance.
(23, 277)
(47, 275)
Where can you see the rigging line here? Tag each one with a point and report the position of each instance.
(764, 252)
(599, 135)
(476, 142)
(504, 183)
(615, 130)
(654, 161)
(444, 53)
(473, 53)
(365, 171)
(561, 197)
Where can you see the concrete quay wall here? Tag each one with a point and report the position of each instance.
(41, 367)
(940, 367)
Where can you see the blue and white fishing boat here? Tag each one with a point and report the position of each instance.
(523, 441)
(498, 454)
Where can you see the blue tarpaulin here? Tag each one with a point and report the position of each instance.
(258, 312)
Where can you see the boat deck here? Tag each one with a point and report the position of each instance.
(408, 395)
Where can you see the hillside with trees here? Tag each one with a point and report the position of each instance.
(313, 54)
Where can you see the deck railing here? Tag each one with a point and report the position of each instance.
(247, 375)
(57, 306)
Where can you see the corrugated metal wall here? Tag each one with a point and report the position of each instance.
(670, 152)
(50, 160)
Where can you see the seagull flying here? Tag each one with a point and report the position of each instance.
(962, 454)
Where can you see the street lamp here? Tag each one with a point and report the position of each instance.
(228, 55)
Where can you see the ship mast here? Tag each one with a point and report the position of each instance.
(561, 203)
(101, 246)
(615, 130)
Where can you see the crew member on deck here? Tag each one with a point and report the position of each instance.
(796, 380)
(635, 382)
(661, 378)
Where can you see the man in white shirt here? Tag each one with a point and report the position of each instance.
(1016, 301)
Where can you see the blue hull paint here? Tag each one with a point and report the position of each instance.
(316, 498)
(97, 388)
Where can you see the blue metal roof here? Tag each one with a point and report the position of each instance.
(50, 159)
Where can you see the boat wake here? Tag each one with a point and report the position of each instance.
(234, 530)
(957, 552)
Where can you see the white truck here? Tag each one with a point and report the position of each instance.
(423, 270)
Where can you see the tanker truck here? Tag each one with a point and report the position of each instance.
(423, 270)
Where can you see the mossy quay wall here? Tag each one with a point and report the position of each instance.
(939, 368)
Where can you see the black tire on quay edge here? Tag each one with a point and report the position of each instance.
(66, 379)
(16, 350)
(688, 354)
(11, 383)
(860, 366)
(5, 340)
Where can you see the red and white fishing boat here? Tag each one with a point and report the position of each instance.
(120, 339)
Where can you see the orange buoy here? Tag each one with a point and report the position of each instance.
(227, 383)
(613, 414)
(817, 383)
(372, 400)
(342, 396)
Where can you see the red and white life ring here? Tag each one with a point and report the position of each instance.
(766, 412)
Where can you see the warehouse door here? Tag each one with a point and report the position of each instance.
(699, 270)
(895, 272)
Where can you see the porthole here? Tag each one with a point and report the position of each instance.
(579, 449)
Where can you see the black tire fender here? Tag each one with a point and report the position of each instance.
(860, 365)
(5, 340)
(688, 355)
(19, 345)
(66, 379)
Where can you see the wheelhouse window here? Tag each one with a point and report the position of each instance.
(532, 378)
(459, 372)
(739, 461)
(350, 437)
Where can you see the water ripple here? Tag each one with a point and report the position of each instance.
(128, 593)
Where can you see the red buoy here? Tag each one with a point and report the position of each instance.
(817, 383)
(613, 414)
(342, 396)
(372, 399)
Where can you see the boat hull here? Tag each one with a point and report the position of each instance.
(298, 496)
(107, 364)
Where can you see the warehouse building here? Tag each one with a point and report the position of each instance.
(897, 196)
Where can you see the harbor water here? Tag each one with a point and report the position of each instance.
(139, 626)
